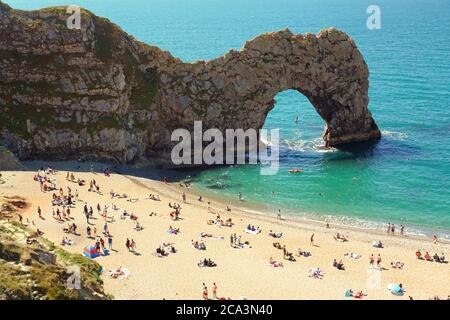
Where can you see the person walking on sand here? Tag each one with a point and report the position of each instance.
(402, 229)
(39, 212)
(279, 214)
(214, 290)
(371, 261)
(205, 292)
(110, 240)
(435, 240)
(184, 197)
(231, 240)
(127, 244)
(312, 240)
(379, 261)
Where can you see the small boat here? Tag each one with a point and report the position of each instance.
(295, 170)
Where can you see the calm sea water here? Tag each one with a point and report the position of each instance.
(405, 178)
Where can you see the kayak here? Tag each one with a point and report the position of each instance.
(295, 170)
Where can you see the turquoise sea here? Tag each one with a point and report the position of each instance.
(405, 178)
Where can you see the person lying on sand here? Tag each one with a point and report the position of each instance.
(340, 237)
(199, 245)
(289, 256)
(153, 197)
(274, 263)
(354, 294)
(377, 244)
(66, 241)
(277, 245)
(275, 234)
(316, 273)
(206, 263)
(173, 230)
(164, 249)
(397, 265)
(338, 265)
(252, 229)
(206, 235)
(117, 273)
(352, 255)
(303, 253)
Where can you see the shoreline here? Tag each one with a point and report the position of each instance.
(250, 209)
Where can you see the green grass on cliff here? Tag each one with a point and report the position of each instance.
(23, 276)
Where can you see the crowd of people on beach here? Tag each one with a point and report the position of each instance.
(64, 200)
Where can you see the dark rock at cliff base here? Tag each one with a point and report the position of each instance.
(98, 93)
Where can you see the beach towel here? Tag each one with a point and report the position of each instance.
(395, 289)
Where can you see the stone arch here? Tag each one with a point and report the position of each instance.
(327, 68)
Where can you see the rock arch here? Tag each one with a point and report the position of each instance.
(327, 68)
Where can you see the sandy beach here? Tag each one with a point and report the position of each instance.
(240, 273)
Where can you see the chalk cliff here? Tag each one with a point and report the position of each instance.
(98, 93)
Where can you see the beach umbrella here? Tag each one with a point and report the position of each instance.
(90, 252)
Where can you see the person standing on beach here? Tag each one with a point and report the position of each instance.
(110, 242)
(371, 260)
(312, 240)
(393, 229)
(389, 228)
(231, 240)
(279, 214)
(127, 244)
(205, 292)
(379, 261)
(184, 197)
(39, 212)
(214, 290)
(402, 228)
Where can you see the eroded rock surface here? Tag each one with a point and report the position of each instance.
(98, 93)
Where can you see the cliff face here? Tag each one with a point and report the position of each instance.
(98, 93)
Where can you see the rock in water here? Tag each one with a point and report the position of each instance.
(98, 93)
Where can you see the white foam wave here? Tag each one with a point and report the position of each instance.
(315, 145)
(395, 135)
